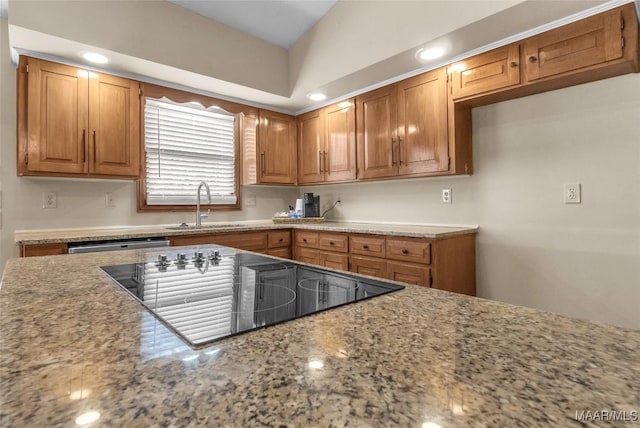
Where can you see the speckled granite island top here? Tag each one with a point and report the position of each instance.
(27, 237)
(73, 342)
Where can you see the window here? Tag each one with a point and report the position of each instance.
(188, 139)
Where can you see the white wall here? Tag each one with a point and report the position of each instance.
(532, 249)
(160, 32)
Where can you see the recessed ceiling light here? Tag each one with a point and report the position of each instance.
(431, 53)
(317, 96)
(95, 57)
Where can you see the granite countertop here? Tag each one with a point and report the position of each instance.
(26, 237)
(72, 341)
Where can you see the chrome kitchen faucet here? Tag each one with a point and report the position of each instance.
(199, 216)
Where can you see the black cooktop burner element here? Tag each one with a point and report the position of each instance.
(214, 292)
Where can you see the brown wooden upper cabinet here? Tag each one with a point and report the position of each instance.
(489, 71)
(327, 144)
(402, 128)
(276, 148)
(74, 122)
(422, 124)
(597, 47)
(591, 41)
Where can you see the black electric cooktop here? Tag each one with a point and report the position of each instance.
(212, 292)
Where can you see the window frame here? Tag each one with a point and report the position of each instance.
(178, 96)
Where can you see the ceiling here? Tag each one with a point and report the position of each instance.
(349, 47)
(281, 22)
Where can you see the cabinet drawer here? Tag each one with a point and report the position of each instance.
(410, 250)
(279, 239)
(334, 260)
(409, 273)
(306, 239)
(369, 266)
(307, 255)
(334, 242)
(284, 252)
(367, 245)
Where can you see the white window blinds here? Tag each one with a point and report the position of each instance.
(186, 144)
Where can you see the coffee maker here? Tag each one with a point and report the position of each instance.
(311, 205)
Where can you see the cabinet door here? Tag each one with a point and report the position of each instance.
(57, 117)
(310, 148)
(376, 122)
(409, 273)
(369, 266)
(250, 241)
(36, 250)
(489, 71)
(307, 255)
(277, 142)
(339, 163)
(284, 252)
(114, 118)
(422, 124)
(334, 260)
(585, 43)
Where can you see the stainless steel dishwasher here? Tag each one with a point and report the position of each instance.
(118, 245)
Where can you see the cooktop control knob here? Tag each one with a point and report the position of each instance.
(162, 258)
(199, 255)
(182, 257)
(215, 255)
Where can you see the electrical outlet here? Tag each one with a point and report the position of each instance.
(49, 200)
(446, 196)
(109, 201)
(572, 193)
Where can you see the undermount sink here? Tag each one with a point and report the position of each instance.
(204, 226)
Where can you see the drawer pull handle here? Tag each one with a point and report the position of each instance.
(513, 64)
(366, 247)
(532, 58)
(331, 243)
(304, 239)
(280, 240)
(405, 251)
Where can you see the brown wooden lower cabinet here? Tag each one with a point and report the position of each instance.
(369, 266)
(285, 253)
(250, 241)
(410, 273)
(307, 255)
(36, 250)
(334, 260)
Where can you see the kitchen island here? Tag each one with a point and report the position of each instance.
(74, 344)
